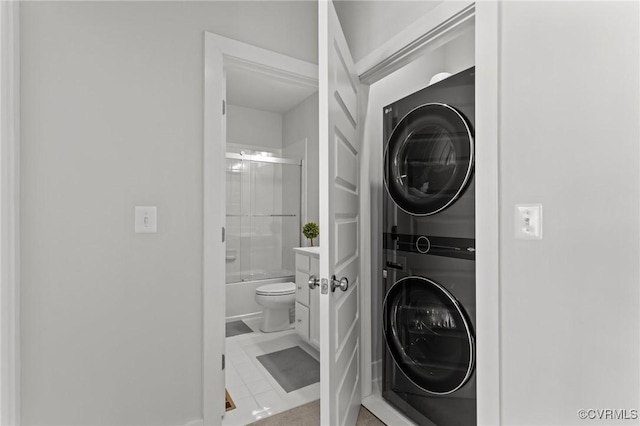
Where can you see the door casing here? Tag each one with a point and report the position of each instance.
(9, 213)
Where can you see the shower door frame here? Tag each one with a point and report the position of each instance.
(272, 160)
(222, 53)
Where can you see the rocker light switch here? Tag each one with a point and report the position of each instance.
(146, 219)
(528, 221)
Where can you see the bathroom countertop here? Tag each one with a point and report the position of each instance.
(309, 251)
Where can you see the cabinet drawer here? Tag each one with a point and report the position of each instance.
(315, 266)
(302, 288)
(302, 263)
(302, 321)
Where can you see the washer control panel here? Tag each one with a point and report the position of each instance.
(463, 248)
(423, 244)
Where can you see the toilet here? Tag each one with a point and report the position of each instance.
(276, 301)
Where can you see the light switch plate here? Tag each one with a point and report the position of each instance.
(528, 221)
(146, 219)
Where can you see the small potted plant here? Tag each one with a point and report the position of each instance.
(311, 230)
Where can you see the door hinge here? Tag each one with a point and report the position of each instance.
(224, 107)
(223, 361)
(224, 234)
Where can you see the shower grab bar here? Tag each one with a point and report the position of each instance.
(262, 215)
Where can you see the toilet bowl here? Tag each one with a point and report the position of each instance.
(276, 301)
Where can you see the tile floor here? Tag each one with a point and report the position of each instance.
(256, 394)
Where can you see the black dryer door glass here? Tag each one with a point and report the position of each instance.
(429, 159)
(428, 335)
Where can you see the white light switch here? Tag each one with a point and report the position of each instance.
(146, 219)
(528, 221)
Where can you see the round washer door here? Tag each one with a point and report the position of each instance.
(429, 159)
(428, 335)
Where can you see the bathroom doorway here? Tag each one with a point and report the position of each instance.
(269, 185)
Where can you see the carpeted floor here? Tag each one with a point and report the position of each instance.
(309, 415)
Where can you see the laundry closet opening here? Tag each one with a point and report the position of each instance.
(420, 124)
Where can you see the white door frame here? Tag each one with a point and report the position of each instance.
(221, 54)
(442, 24)
(9, 213)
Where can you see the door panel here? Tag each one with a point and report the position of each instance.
(339, 223)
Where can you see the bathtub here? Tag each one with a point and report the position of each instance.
(240, 297)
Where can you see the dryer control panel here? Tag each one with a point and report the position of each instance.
(461, 248)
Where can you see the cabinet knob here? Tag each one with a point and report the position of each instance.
(299, 287)
(299, 320)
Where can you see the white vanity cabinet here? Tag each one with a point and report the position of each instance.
(307, 300)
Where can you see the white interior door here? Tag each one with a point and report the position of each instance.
(340, 394)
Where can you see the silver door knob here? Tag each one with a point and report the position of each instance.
(342, 284)
(313, 282)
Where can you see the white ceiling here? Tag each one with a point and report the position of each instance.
(368, 24)
(253, 89)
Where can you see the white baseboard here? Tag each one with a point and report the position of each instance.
(385, 412)
(198, 422)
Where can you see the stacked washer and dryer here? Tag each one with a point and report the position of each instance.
(429, 253)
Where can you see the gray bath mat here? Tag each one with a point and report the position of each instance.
(235, 328)
(292, 368)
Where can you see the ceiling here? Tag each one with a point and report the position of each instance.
(367, 24)
(253, 89)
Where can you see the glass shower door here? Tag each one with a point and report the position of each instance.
(237, 226)
(263, 216)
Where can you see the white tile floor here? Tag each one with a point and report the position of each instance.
(253, 390)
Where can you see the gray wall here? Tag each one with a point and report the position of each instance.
(112, 97)
(369, 24)
(569, 140)
(253, 129)
(299, 123)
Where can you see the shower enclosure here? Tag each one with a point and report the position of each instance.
(263, 219)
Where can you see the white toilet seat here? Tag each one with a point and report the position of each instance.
(278, 289)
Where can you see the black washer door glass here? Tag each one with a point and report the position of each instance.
(428, 335)
(429, 159)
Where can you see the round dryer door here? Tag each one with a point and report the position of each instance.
(429, 159)
(428, 335)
